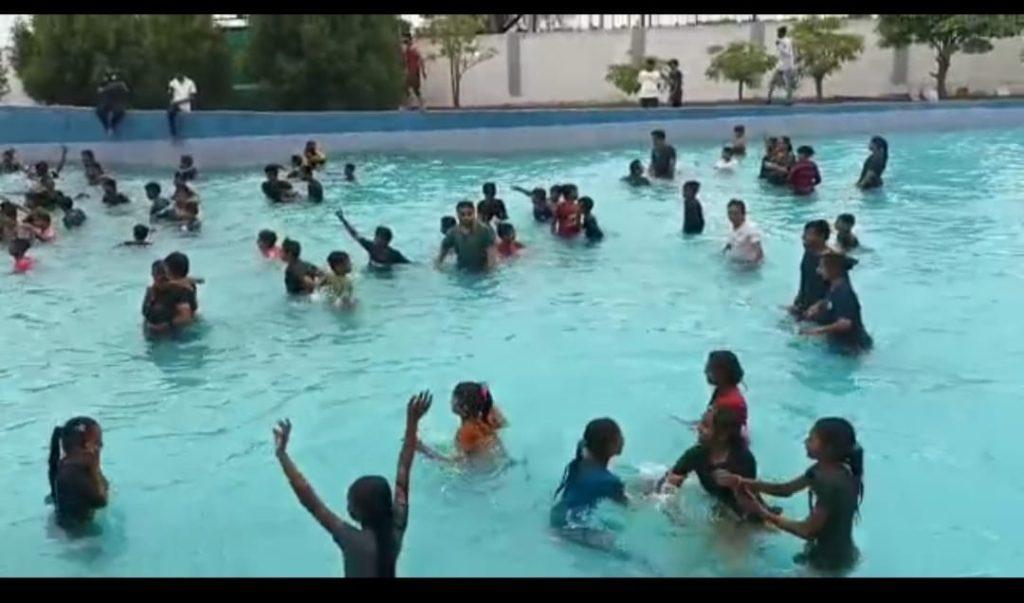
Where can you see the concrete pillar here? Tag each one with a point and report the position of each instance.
(513, 64)
(757, 33)
(900, 66)
(638, 45)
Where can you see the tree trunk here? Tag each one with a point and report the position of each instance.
(942, 60)
(741, 91)
(818, 81)
(456, 77)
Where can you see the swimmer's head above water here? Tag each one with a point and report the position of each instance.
(636, 168)
(506, 232)
(297, 161)
(79, 435)
(736, 210)
(586, 205)
(723, 369)
(152, 190)
(350, 172)
(109, 186)
(727, 153)
(339, 262)
(291, 250)
(382, 236)
(816, 234)
(722, 427)
(690, 189)
(177, 265)
(833, 440)
(602, 440)
(490, 190)
(370, 504)
(805, 152)
(266, 240)
(270, 171)
(472, 400)
(447, 223)
(466, 213)
(140, 232)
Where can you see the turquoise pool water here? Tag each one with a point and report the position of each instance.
(565, 334)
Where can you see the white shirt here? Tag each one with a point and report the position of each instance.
(649, 81)
(743, 242)
(181, 91)
(730, 165)
(784, 46)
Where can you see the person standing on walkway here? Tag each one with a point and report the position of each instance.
(415, 70)
(675, 84)
(785, 75)
(112, 101)
(650, 85)
(182, 91)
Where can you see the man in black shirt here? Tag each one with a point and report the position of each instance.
(812, 285)
(382, 255)
(112, 101)
(275, 189)
(300, 278)
(675, 84)
(491, 206)
(663, 157)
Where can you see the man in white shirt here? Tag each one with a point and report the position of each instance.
(785, 75)
(182, 91)
(650, 85)
(744, 244)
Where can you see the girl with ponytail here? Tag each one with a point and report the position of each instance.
(587, 481)
(370, 550)
(477, 435)
(836, 488)
(77, 484)
(874, 165)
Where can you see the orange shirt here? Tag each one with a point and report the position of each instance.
(477, 435)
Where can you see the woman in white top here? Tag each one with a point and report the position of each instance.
(744, 244)
(650, 85)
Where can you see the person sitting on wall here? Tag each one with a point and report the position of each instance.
(112, 101)
(182, 91)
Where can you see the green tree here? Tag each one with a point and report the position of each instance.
(625, 76)
(60, 58)
(947, 35)
(821, 49)
(317, 62)
(5, 86)
(456, 39)
(740, 62)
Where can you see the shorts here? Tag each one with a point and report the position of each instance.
(413, 84)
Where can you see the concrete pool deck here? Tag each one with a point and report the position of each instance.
(224, 139)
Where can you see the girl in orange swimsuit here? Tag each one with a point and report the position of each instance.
(481, 420)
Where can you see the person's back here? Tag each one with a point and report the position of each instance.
(804, 176)
(75, 496)
(693, 216)
(590, 486)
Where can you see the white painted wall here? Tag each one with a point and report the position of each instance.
(569, 67)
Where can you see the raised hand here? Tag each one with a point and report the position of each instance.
(418, 406)
(282, 432)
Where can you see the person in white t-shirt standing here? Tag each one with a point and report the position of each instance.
(182, 91)
(785, 75)
(744, 244)
(650, 84)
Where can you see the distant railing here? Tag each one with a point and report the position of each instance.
(542, 23)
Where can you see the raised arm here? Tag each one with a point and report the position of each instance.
(522, 190)
(305, 493)
(417, 407)
(63, 159)
(348, 227)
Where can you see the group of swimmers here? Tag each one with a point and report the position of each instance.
(721, 458)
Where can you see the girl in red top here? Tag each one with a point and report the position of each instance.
(723, 370)
(804, 175)
(568, 221)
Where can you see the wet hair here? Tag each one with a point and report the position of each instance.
(658, 134)
(727, 150)
(64, 202)
(691, 185)
(350, 167)
(177, 264)
(87, 153)
(840, 441)
(270, 168)
(571, 191)
(475, 398)
(383, 233)
(490, 188)
(673, 63)
(505, 229)
(883, 145)
(140, 232)
(267, 237)
(19, 247)
(739, 129)
(725, 366)
(781, 32)
(310, 143)
(789, 143)
(8, 210)
(41, 217)
(9, 153)
(42, 167)
(586, 204)
(636, 166)
(296, 160)
(336, 258)
(370, 502)
(539, 193)
(187, 160)
(598, 438)
(651, 63)
(555, 192)
(727, 420)
(847, 219)
(805, 150)
(819, 226)
(447, 223)
(158, 269)
(108, 182)
(463, 205)
(738, 203)
(153, 186)
(292, 248)
(69, 437)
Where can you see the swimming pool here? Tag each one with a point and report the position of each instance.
(565, 334)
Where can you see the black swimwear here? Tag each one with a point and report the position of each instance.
(75, 495)
(591, 230)
(693, 217)
(661, 160)
(187, 174)
(295, 277)
(382, 258)
(697, 459)
(838, 491)
(275, 190)
(876, 164)
(841, 302)
(74, 218)
(491, 208)
(115, 199)
(812, 286)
